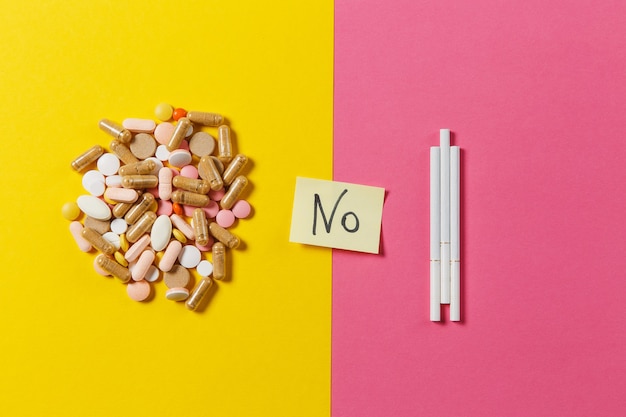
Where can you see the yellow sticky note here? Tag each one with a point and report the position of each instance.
(337, 215)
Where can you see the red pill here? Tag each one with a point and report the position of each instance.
(178, 209)
(178, 113)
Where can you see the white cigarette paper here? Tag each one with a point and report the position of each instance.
(455, 243)
(435, 241)
(444, 169)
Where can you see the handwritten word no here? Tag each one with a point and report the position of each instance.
(317, 204)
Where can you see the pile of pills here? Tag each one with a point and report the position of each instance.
(165, 196)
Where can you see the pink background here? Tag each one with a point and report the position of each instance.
(535, 95)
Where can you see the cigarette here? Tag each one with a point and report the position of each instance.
(444, 169)
(455, 242)
(435, 241)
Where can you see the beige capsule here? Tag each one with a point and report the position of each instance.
(87, 157)
(223, 235)
(139, 208)
(139, 182)
(138, 168)
(179, 134)
(191, 184)
(121, 209)
(205, 118)
(234, 168)
(233, 193)
(224, 144)
(199, 293)
(116, 130)
(138, 229)
(219, 260)
(97, 241)
(200, 227)
(123, 152)
(113, 268)
(209, 172)
(190, 199)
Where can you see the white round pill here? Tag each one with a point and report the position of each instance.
(108, 164)
(119, 226)
(152, 274)
(177, 294)
(189, 256)
(96, 188)
(112, 238)
(90, 177)
(162, 153)
(204, 268)
(179, 158)
(189, 131)
(113, 181)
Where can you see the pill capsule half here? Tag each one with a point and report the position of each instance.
(138, 182)
(219, 260)
(204, 118)
(208, 171)
(199, 293)
(233, 193)
(138, 168)
(87, 157)
(190, 199)
(179, 134)
(200, 227)
(234, 168)
(223, 235)
(97, 241)
(139, 208)
(123, 152)
(121, 209)
(113, 268)
(116, 130)
(191, 184)
(138, 229)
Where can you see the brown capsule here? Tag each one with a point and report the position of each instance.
(116, 130)
(190, 199)
(219, 260)
(200, 227)
(223, 235)
(234, 168)
(138, 229)
(209, 172)
(198, 293)
(86, 158)
(123, 152)
(191, 184)
(138, 168)
(179, 134)
(113, 268)
(233, 193)
(139, 182)
(204, 118)
(121, 209)
(97, 241)
(139, 208)
(224, 144)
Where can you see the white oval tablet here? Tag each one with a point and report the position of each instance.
(177, 294)
(108, 164)
(119, 226)
(94, 207)
(139, 125)
(113, 181)
(189, 257)
(204, 268)
(161, 232)
(162, 153)
(179, 158)
(113, 238)
(152, 274)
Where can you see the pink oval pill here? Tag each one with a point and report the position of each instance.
(189, 171)
(241, 209)
(225, 218)
(139, 125)
(134, 251)
(163, 132)
(165, 207)
(183, 226)
(143, 264)
(165, 183)
(76, 229)
(170, 255)
(212, 209)
(121, 195)
(139, 290)
(217, 195)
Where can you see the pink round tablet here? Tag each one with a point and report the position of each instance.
(154, 192)
(225, 218)
(165, 207)
(184, 145)
(163, 132)
(241, 209)
(188, 210)
(138, 290)
(217, 195)
(207, 247)
(189, 171)
(212, 209)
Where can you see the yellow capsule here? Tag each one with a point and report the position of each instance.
(140, 207)
(97, 241)
(224, 144)
(113, 268)
(234, 168)
(204, 118)
(199, 293)
(208, 171)
(138, 168)
(180, 236)
(124, 242)
(116, 130)
(219, 260)
(223, 235)
(200, 227)
(123, 152)
(191, 184)
(120, 259)
(138, 229)
(179, 134)
(86, 158)
(139, 182)
(233, 193)
(190, 199)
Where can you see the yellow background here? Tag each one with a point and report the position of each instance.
(72, 342)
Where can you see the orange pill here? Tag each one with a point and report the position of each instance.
(178, 209)
(178, 113)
